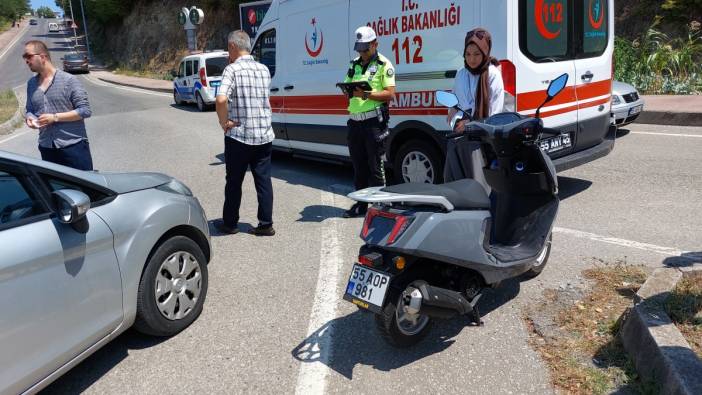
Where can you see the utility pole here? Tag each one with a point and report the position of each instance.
(85, 28)
(73, 23)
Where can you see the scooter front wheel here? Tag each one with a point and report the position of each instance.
(400, 328)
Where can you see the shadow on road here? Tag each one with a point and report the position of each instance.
(81, 377)
(568, 186)
(686, 259)
(352, 340)
(621, 132)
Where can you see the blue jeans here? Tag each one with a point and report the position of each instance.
(76, 156)
(238, 157)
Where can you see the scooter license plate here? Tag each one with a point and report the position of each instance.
(367, 288)
(555, 144)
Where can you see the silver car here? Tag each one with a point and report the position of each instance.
(627, 105)
(86, 255)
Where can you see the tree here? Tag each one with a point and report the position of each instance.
(14, 9)
(46, 12)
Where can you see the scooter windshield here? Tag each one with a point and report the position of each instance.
(504, 118)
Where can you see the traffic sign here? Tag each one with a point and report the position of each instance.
(74, 26)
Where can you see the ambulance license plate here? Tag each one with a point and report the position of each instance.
(367, 288)
(555, 144)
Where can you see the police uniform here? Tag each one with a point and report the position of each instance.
(368, 123)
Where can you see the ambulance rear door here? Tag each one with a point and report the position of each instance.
(594, 46)
(545, 31)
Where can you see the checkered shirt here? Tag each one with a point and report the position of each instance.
(246, 85)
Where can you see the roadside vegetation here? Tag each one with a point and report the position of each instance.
(143, 74)
(8, 105)
(12, 10)
(685, 309)
(576, 332)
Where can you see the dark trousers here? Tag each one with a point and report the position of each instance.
(366, 152)
(238, 157)
(76, 156)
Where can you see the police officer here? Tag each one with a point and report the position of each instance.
(369, 114)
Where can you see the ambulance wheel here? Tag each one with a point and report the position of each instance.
(418, 161)
(398, 328)
(176, 98)
(541, 260)
(200, 103)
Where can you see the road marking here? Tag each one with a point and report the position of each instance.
(13, 42)
(668, 251)
(124, 88)
(669, 134)
(312, 376)
(14, 136)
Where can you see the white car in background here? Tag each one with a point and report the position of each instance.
(627, 105)
(53, 27)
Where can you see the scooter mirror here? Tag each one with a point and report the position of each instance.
(557, 85)
(446, 99)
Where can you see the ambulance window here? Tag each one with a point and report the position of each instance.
(595, 27)
(545, 29)
(188, 68)
(264, 50)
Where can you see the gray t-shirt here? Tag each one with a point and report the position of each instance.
(65, 93)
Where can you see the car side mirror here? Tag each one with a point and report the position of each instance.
(72, 207)
(174, 74)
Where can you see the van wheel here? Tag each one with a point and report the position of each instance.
(172, 289)
(418, 161)
(541, 260)
(200, 103)
(176, 98)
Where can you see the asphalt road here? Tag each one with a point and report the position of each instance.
(274, 321)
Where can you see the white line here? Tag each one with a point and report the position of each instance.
(14, 136)
(622, 242)
(124, 88)
(669, 134)
(13, 42)
(312, 376)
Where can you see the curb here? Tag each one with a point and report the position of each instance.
(8, 126)
(657, 347)
(670, 118)
(161, 90)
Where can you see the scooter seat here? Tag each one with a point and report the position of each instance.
(466, 194)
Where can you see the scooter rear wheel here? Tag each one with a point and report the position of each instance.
(399, 328)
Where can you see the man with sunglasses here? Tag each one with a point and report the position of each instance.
(57, 105)
(369, 114)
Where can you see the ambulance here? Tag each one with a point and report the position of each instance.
(307, 45)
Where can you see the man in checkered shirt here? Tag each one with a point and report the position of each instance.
(244, 113)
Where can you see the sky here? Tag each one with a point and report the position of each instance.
(48, 3)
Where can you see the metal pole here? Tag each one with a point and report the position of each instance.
(73, 21)
(85, 28)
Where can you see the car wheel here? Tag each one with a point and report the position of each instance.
(172, 289)
(541, 260)
(200, 103)
(418, 161)
(176, 98)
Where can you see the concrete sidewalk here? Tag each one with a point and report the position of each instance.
(658, 109)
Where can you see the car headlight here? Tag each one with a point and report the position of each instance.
(175, 186)
(616, 100)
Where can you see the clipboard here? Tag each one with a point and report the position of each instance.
(349, 87)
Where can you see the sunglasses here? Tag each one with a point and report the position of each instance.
(27, 56)
(479, 33)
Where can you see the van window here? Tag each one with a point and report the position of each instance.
(214, 67)
(181, 70)
(188, 68)
(545, 30)
(595, 27)
(264, 50)
(196, 66)
(555, 30)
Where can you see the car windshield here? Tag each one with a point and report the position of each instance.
(215, 66)
(73, 56)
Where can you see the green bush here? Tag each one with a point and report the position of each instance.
(658, 64)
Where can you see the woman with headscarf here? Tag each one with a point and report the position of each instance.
(478, 85)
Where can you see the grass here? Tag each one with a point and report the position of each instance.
(8, 105)
(4, 24)
(143, 74)
(685, 309)
(579, 342)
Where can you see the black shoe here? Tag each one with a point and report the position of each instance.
(263, 230)
(223, 228)
(357, 210)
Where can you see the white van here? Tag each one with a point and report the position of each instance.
(307, 44)
(198, 78)
(53, 27)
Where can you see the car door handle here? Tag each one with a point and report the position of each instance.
(275, 89)
(289, 87)
(587, 77)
